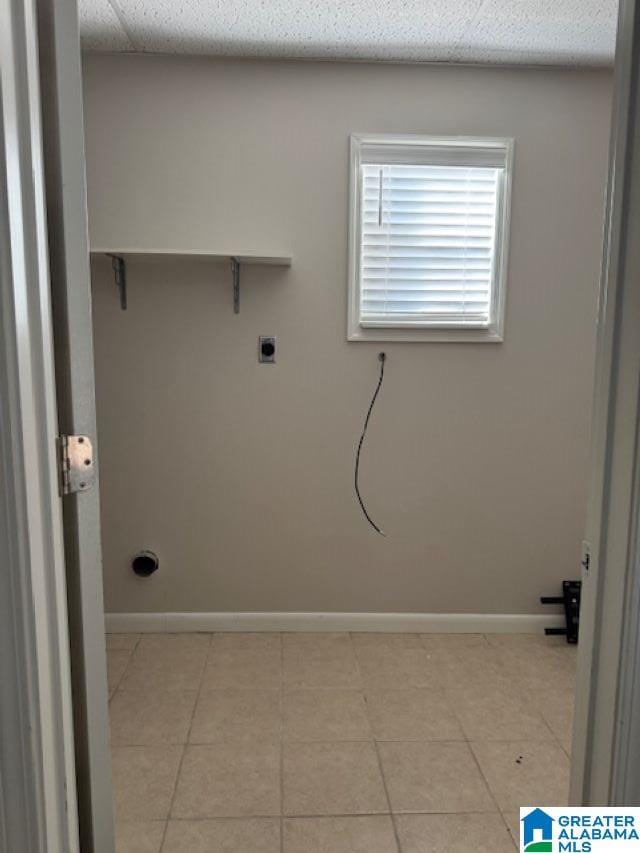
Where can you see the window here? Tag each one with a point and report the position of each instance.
(428, 238)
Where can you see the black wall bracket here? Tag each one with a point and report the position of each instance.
(235, 273)
(570, 599)
(120, 276)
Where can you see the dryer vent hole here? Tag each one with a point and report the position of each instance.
(145, 564)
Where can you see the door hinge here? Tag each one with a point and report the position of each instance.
(76, 470)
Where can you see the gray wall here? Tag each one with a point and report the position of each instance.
(240, 475)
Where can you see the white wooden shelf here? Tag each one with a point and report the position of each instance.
(119, 258)
(196, 254)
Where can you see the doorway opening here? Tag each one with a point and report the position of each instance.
(281, 677)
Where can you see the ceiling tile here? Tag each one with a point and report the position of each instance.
(580, 32)
(358, 29)
(570, 31)
(100, 28)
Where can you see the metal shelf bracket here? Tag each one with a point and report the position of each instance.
(118, 265)
(120, 276)
(235, 273)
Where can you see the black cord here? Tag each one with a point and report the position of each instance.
(382, 357)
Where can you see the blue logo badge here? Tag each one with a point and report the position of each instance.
(537, 832)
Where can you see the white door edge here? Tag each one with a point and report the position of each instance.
(29, 454)
(602, 674)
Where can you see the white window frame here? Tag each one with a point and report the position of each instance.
(494, 331)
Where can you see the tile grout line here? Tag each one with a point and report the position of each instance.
(486, 781)
(110, 697)
(473, 755)
(122, 674)
(131, 651)
(310, 816)
(555, 739)
(375, 745)
(488, 786)
(186, 743)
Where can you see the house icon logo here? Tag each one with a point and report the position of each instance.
(537, 832)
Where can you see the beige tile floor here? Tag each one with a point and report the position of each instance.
(335, 743)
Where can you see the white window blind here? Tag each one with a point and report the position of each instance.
(429, 226)
(428, 235)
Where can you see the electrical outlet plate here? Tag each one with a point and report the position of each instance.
(267, 349)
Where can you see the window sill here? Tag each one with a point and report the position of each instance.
(490, 335)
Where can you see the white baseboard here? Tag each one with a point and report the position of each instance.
(424, 623)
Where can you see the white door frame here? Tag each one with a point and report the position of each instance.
(606, 738)
(624, 787)
(65, 187)
(37, 784)
(38, 809)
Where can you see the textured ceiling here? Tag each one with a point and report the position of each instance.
(572, 32)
